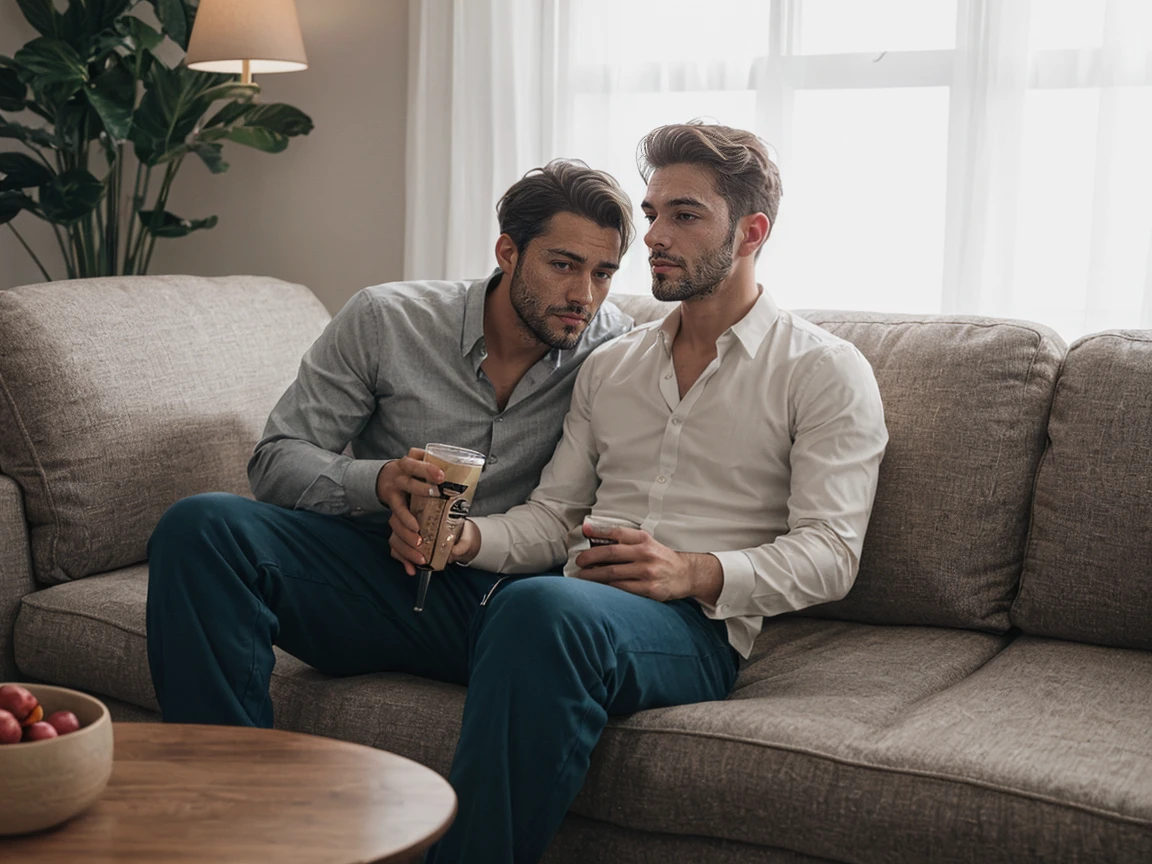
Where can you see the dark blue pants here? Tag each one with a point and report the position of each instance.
(546, 661)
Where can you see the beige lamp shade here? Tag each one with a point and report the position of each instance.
(246, 36)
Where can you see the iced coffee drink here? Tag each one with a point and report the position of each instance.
(442, 518)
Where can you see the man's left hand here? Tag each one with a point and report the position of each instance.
(637, 563)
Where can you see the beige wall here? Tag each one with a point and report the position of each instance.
(329, 211)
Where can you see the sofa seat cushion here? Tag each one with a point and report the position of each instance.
(1049, 747)
(127, 393)
(90, 634)
(868, 744)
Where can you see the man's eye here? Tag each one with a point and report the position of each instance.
(562, 265)
(649, 218)
(601, 274)
(687, 217)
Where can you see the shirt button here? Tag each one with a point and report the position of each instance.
(669, 375)
(500, 419)
(676, 421)
(723, 607)
(492, 460)
(661, 479)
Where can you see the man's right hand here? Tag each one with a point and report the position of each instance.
(408, 476)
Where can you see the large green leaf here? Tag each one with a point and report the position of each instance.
(52, 69)
(71, 195)
(175, 101)
(212, 155)
(27, 134)
(12, 90)
(171, 225)
(42, 15)
(281, 118)
(11, 203)
(229, 114)
(265, 127)
(77, 122)
(142, 36)
(174, 20)
(259, 138)
(85, 22)
(22, 172)
(113, 96)
(103, 14)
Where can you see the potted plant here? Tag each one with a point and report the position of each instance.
(96, 78)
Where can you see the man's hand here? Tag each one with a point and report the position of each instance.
(408, 546)
(638, 564)
(408, 476)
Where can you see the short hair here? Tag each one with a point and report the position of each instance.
(746, 178)
(564, 186)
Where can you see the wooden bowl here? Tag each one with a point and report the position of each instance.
(47, 782)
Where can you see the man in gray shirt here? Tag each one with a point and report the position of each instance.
(488, 365)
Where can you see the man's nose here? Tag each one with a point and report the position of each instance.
(655, 236)
(580, 291)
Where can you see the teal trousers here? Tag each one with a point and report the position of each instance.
(546, 659)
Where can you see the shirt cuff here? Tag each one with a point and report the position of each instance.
(739, 583)
(495, 544)
(360, 485)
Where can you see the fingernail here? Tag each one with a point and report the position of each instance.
(432, 492)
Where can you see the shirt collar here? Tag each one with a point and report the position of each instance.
(473, 330)
(749, 330)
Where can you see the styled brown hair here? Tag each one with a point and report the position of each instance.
(746, 178)
(564, 186)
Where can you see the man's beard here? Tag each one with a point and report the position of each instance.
(536, 319)
(701, 281)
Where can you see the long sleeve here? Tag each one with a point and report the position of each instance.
(532, 538)
(839, 441)
(299, 462)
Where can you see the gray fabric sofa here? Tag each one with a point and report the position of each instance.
(984, 693)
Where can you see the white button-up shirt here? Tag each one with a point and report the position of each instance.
(769, 462)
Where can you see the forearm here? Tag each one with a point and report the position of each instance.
(706, 576)
(300, 475)
(531, 538)
(809, 565)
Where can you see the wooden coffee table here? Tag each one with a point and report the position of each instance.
(227, 794)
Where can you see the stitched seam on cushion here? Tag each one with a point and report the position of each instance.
(912, 772)
(52, 611)
(1030, 536)
(27, 438)
(951, 322)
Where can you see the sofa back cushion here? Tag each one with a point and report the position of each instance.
(1088, 570)
(966, 402)
(121, 395)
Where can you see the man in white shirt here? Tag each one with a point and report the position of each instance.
(743, 441)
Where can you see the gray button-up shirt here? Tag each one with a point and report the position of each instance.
(399, 367)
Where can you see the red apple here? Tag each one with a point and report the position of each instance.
(17, 701)
(63, 722)
(9, 728)
(39, 732)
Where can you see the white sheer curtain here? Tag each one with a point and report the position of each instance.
(975, 156)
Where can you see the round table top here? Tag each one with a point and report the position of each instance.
(221, 793)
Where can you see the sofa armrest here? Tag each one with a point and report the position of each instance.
(15, 570)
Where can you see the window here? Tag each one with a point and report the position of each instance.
(952, 156)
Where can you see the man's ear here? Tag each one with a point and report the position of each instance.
(754, 231)
(506, 253)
